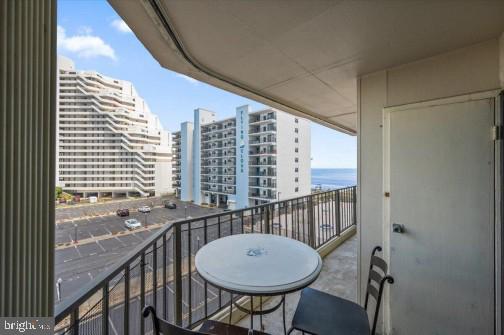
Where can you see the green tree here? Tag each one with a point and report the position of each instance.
(59, 190)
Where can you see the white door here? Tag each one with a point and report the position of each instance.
(441, 183)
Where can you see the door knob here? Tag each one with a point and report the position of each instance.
(398, 228)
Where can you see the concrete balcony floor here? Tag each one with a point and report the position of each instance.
(338, 277)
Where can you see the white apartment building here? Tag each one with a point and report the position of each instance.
(108, 141)
(251, 159)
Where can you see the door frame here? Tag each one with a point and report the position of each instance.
(498, 194)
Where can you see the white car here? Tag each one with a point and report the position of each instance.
(132, 224)
(144, 209)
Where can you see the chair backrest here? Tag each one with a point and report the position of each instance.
(377, 278)
(161, 326)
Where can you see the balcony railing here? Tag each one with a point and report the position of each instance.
(161, 272)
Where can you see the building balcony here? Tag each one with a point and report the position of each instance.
(262, 151)
(220, 180)
(263, 195)
(262, 162)
(263, 118)
(114, 299)
(262, 172)
(270, 128)
(256, 184)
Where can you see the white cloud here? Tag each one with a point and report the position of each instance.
(189, 79)
(120, 26)
(84, 44)
(84, 30)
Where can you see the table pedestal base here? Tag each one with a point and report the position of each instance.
(259, 312)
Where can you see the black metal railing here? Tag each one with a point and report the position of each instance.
(160, 272)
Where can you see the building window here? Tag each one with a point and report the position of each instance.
(296, 179)
(296, 170)
(296, 130)
(296, 120)
(296, 160)
(296, 189)
(296, 140)
(296, 149)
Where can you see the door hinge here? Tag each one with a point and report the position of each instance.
(497, 132)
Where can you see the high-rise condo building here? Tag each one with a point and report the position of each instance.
(251, 159)
(108, 141)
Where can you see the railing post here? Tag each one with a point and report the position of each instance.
(74, 321)
(267, 229)
(311, 222)
(354, 203)
(142, 292)
(337, 214)
(126, 300)
(105, 309)
(177, 267)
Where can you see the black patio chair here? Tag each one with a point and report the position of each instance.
(209, 327)
(323, 314)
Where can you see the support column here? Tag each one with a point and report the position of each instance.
(27, 156)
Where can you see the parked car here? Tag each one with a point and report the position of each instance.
(170, 205)
(132, 224)
(144, 209)
(123, 212)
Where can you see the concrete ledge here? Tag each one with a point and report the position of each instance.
(335, 242)
(326, 249)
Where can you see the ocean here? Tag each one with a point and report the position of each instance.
(333, 178)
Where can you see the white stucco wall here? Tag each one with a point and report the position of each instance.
(459, 72)
(186, 163)
(286, 154)
(163, 178)
(201, 117)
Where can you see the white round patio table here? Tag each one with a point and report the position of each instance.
(258, 265)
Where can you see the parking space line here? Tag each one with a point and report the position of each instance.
(102, 248)
(134, 234)
(197, 282)
(112, 325)
(76, 248)
(119, 240)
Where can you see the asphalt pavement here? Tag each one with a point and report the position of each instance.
(79, 263)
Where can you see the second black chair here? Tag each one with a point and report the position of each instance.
(209, 327)
(324, 314)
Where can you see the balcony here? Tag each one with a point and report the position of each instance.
(262, 172)
(263, 151)
(270, 128)
(161, 272)
(221, 188)
(264, 184)
(262, 162)
(421, 92)
(256, 119)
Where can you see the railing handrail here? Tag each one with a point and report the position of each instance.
(66, 307)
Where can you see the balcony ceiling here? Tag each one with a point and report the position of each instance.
(304, 56)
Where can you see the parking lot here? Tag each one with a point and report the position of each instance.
(103, 239)
(102, 220)
(69, 213)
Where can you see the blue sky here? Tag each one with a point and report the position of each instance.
(95, 38)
